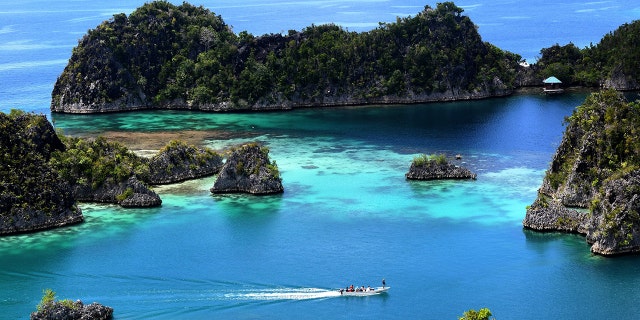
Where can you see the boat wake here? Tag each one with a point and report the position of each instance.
(284, 294)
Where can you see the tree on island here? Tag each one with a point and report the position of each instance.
(482, 314)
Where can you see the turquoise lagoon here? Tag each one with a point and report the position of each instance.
(347, 215)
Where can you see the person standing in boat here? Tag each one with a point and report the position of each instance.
(383, 283)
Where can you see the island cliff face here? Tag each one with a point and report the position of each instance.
(248, 169)
(178, 161)
(597, 168)
(185, 57)
(32, 196)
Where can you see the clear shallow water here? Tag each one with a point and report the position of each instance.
(347, 216)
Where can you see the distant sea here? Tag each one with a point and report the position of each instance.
(347, 216)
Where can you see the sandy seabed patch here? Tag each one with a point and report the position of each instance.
(148, 143)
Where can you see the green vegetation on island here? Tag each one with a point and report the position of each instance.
(96, 162)
(482, 314)
(613, 62)
(423, 159)
(168, 56)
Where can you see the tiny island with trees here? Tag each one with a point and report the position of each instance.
(436, 167)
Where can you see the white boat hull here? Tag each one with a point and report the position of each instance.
(365, 293)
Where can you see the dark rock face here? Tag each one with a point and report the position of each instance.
(614, 226)
(438, 171)
(180, 162)
(78, 310)
(248, 169)
(620, 81)
(547, 215)
(20, 220)
(130, 194)
(32, 196)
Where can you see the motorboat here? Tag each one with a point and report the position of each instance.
(365, 292)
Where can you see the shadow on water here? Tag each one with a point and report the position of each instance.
(241, 205)
(543, 241)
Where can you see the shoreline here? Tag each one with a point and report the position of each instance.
(523, 90)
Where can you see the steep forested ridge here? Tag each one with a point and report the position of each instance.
(186, 57)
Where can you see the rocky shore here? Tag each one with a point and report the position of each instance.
(131, 193)
(73, 311)
(248, 169)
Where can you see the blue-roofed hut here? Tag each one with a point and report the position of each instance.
(552, 85)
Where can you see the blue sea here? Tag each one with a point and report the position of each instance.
(347, 216)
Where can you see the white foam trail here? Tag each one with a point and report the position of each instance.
(32, 64)
(285, 294)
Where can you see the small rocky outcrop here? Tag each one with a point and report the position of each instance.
(178, 161)
(436, 168)
(131, 193)
(248, 169)
(66, 310)
(593, 184)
